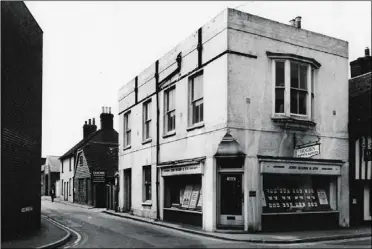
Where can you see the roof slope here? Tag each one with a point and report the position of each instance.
(102, 156)
(102, 135)
(54, 163)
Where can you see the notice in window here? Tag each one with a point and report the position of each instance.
(182, 191)
(187, 196)
(322, 196)
(200, 201)
(194, 197)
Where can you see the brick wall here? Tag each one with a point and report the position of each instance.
(21, 106)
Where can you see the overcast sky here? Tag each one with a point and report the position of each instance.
(93, 48)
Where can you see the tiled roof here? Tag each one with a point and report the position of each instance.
(360, 85)
(54, 163)
(102, 135)
(102, 156)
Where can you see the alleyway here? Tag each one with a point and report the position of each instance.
(98, 230)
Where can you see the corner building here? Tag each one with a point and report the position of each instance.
(243, 125)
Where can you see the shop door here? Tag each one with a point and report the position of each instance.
(231, 199)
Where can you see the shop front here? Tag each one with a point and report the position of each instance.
(183, 195)
(300, 193)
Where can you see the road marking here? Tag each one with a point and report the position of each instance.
(71, 230)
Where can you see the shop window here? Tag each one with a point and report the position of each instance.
(183, 192)
(196, 99)
(127, 130)
(147, 183)
(169, 110)
(298, 193)
(147, 120)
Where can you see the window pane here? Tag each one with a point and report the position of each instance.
(302, 103)
(128, 121)
(303, 77)
(279, 78)
(279, 100)
(148, 111)
(197, 87)
(171, 100)
(294, 75)
(171, 121)
(201, 112)
(294, 101)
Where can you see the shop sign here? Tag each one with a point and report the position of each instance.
(308, 151)
(182, 170)
(27, 209)
(99, 176)
(306, 169)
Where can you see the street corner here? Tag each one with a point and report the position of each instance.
(55, 236)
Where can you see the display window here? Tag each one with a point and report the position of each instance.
(183, 192)
(298, 193)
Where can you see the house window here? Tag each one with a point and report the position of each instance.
(62, 187)
(293, 86)
(69, 164)
(62, 166)
(196, 99)
(147, 183)
(170, 110)
(127, 130)
(147, 120)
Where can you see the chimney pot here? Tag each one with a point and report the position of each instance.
(94, 121)
(366, 51)
(110, 110)
(89, 122)
(85, 122)
(103, 109)
(292, 22)
(298, 22)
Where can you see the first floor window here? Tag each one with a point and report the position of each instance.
(294, 88)
(147, 182)
(169, 110)
(147, 120)
(196, 99)
(127, 129)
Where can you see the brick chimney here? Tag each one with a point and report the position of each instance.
(107, 119)
(89, 128)
(361, 65)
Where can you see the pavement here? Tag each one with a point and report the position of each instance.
(269, 238)
(50, 235)
(275, 237)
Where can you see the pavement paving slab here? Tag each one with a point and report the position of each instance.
(48, 234)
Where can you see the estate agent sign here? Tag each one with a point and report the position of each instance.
(308, 151)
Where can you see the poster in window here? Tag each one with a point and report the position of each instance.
(200, 201)
(263, 200)
(322, 196)
(182, 191)
(194, 197)
(187, 196)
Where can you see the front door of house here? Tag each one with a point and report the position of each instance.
(128, 190)
(231, 199)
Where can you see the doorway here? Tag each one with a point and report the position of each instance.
(231, 199)
(127, 190)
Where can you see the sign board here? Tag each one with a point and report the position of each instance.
(194, 197)
(322, 197)
(308, 151)
(27, 209)
(187, 196)
(99, 176)
(301, 169)
(182, 170)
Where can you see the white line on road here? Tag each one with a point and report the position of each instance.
(76, 242)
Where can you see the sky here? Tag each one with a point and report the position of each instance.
(92, 48)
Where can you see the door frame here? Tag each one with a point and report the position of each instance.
(127, 190)
(220, 173)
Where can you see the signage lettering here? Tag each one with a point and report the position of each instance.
(294, 169)
(308, 151)
(182, 170)
(27, 209)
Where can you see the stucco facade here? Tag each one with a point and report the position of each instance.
(67, 178)
(232, 52)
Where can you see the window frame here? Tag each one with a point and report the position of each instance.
(69, 187)
(147, 183)
(146, 120)
(192, 102)
(167, 112)
(127, 132)
(310, 80)
(69, 163)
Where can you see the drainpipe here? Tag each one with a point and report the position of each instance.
(157, 137)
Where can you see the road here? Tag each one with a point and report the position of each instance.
(95, 229)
